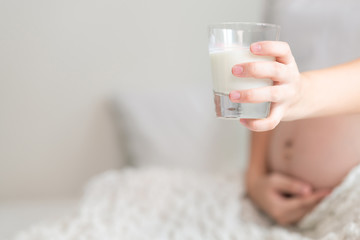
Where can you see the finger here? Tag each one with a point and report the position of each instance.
(288, 212)
(290, 185)
(257, 95)
(313, 199)
(306, 201)
(297, 208)
(273, 70)
(280, 50)
(324, 194)
(295, 216)
(269, 123)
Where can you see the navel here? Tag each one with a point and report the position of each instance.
(288, 144)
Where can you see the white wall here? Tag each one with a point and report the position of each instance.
(60, 61)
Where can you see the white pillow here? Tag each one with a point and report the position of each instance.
(177, 127)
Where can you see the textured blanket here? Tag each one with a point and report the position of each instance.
(136, 204)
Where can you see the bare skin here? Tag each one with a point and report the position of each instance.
(325, 92)
(298, 159)
(320, 151)
(284, 198)
(293, 167)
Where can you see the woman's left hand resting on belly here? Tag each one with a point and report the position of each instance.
(287, 200)
(295, 95)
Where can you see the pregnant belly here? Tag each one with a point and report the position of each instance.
(320, 152)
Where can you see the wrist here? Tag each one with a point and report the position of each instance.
(251, 179)
(300, 108)
(255, 190)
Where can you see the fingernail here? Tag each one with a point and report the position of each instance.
(235, 95)
(237, 70)
(256, 47)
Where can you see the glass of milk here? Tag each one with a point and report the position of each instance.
(229, 44)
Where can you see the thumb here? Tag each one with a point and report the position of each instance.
(289, 185)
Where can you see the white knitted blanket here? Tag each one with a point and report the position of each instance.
(151, 204)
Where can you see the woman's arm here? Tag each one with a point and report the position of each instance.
(258, 152)
(330, 91)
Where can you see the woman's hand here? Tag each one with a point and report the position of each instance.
(285, 92)
(285, 199)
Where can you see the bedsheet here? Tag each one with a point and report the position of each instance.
(158, 203)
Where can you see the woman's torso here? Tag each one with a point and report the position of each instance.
(319, 151)
(321, 33)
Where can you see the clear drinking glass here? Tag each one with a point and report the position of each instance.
(229, 44)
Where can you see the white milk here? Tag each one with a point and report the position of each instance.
(221, 67)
